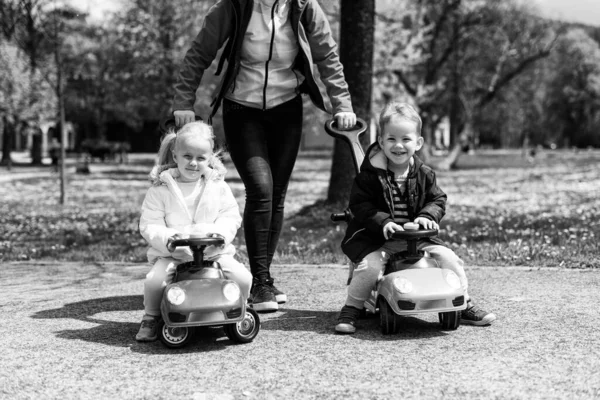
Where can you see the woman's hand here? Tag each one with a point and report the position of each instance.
(182, 117)
(426, 223)
(345, 120)
(390, 228)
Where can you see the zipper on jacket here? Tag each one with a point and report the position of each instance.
(276, 4)
(354, 234)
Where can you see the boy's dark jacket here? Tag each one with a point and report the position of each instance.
(372, 207)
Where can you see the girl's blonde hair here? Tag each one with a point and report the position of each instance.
(165, 160)
(403, 110)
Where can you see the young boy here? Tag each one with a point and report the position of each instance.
(392, 188)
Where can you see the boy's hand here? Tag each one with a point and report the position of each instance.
(182, 117)
(170, 241)
(426, 223)
(390, 228)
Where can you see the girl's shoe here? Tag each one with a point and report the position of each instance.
(475, 315)
(347, 319)
(148, 329)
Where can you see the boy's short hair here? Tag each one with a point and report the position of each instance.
(404, 110)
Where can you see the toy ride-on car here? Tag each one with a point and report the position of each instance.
(200, 295)
(413, 282)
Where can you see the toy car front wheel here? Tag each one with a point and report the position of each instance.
(246, 330)
(389, 321)
(450, 320)
(174, 337)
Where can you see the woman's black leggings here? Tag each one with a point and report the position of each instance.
(263, 146)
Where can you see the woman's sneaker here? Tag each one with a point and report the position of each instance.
(148, 329)
(263, 298)
(347, 320)
(475, 315)
(279, 295)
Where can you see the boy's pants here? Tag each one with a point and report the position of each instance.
(163, 271)
(367, 271)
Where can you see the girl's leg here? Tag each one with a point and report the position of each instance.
(237, 272)
(447, 259)
(157, 279)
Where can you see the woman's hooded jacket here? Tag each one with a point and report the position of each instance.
(372, 206)
(164, 213)
(227, 21)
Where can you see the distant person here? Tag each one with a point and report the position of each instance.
(392, 188)
(271, 48)
(188, 196)
(54, 152)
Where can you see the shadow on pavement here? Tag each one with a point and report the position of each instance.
(323, 322)
(122, 334)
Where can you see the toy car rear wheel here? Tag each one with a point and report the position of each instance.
(246, 330)
(389, 321)
(174, 337)
(450, 320)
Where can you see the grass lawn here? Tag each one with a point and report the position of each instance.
(502, 210)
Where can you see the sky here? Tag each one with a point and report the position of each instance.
(585, 11)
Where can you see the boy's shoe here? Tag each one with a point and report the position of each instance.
(475, 315)
(263, 298)
(148, 329)
(279, 295)
(347, 319)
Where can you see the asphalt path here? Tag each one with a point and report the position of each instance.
(68, 332)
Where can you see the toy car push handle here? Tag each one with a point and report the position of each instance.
(197, 245)
(338, 217)
(350, 136)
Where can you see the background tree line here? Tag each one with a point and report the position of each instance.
(494, 71)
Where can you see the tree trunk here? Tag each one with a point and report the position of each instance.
(357, 28)
(7, 141)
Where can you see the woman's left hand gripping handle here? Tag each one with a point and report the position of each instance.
(182, 117)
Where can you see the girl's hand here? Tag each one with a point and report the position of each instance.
(390, 228)
(345, 120)
(170, 241)
(182, 117)
(216, 235)
(426, 223)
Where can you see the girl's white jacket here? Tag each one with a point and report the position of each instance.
(164, 213)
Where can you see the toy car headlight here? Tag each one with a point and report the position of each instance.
(403, 285)
(453, 280)
(231, 291)
(176, 295)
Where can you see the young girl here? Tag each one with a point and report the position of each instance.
(188, 196)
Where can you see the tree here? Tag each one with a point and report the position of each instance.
(453, 57)
(18, 86)
(357, 25)
(574, 101)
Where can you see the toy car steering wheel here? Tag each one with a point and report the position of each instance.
(197, 245)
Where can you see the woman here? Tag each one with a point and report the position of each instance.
(271, 48)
